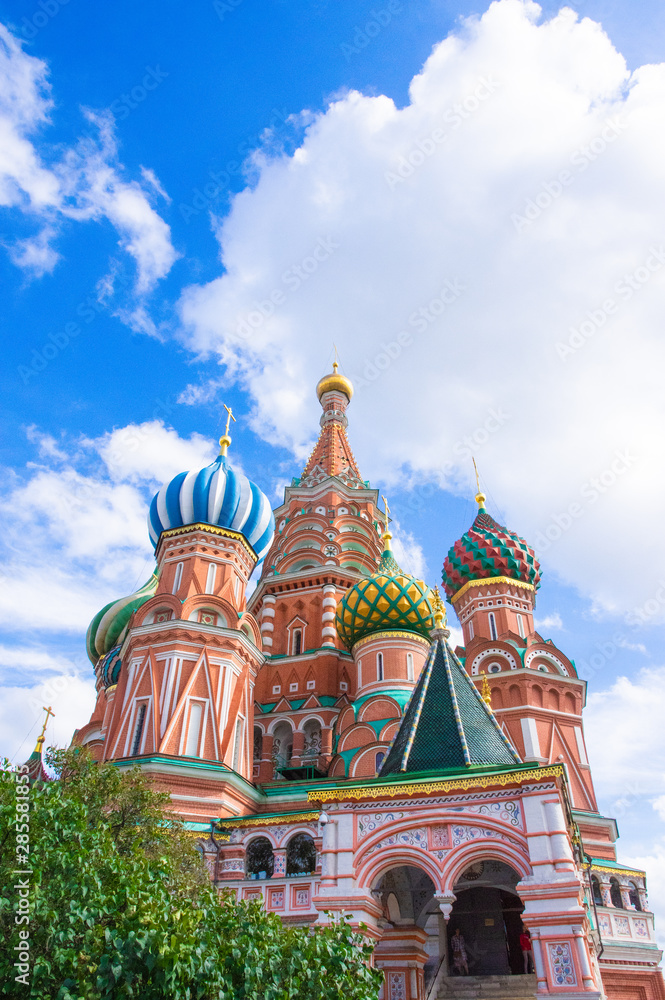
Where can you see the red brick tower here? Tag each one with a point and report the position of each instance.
(327, 537)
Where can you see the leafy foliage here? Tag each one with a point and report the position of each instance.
(121, 906)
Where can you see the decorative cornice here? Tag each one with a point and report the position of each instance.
(241, 821)
(616, 871)
(377, 791)
(390, 634)
(212, 529)
(491, 579)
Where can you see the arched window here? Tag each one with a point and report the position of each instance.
(378, 760)
(211, 577)
(471, 629)
(493, 632)
(138, 732)
(300, 855)
(360, 673)
(634, 896)
(177, 580)
(379, 666)
(615, 894)
(258, 744)
(282, 745)
(520, 625)
(260, 858)
(409, 667)
(312, 747)
(297, 642)
(595, 888)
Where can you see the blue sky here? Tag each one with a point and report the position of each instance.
(170, 166)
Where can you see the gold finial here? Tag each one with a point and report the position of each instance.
(225, 440)
(386, 534)
(41, 737)
(485, 692)
(439, 610)
(336, 361)
(480, 497)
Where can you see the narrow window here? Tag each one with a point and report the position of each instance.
(409, 666)
(379, 666)
(520, 625)
(471, 629)
(615, 894)
(194, 729)
(297, 642)
(492, 626)
(237, 746)
(177, 580)
(634, 896)
(597, 894)
(378, 760)
(138, 732)
(360, 673)
(210, 579)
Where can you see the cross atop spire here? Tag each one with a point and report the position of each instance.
(480, 496)
(387, 535)
(225, 440)
(41, 737)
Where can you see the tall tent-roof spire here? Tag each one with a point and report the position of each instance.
(447, 724)
(332, 455)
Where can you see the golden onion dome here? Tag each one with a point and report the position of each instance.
(335, 382)
(388, 600)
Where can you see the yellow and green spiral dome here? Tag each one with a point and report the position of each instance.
(388, 600)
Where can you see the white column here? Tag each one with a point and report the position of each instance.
(328, 630)
(267, 624)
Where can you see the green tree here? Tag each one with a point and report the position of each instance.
(121, 905)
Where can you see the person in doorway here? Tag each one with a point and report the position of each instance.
(460, 963)
(527, 951)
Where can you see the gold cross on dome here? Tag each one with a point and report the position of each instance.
(225, 440)
(229, 417)
(387, 511)
(480, 496)
(49, 711)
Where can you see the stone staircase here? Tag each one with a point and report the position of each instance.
(485, 988)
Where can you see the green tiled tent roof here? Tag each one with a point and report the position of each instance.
(446, 724)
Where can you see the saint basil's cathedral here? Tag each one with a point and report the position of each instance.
(331, 753)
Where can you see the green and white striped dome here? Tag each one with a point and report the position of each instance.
(109, 626)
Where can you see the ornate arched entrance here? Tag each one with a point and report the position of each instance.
(487, 911)
(413, 928)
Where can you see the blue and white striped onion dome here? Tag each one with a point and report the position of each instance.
(214, 495)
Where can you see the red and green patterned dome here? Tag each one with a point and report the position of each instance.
(489, 550)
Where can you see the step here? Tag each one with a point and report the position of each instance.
(486, 987)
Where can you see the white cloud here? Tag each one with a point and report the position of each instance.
(72, 698)
(329, 247)
(152, 452)
(408, 552)
(85, 182)
(624, 733)
(75, 532)
(552, 621)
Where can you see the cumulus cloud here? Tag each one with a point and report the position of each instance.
(72, 698)
(488, 260)
(85, 182)
(75, 524)
(552, 621)
(632, 763)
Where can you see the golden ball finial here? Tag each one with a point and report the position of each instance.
(480, 499)
(439, 610)
(335, 382)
